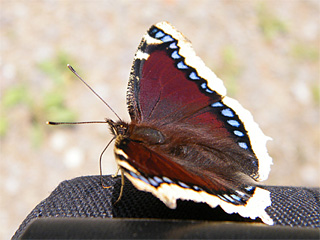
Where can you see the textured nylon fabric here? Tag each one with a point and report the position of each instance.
(85, 197)
(295, 206)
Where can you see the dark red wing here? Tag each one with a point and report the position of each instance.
(161, 87)
(149, 163)
(155, 169)
(165, 94)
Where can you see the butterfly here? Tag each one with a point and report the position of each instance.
(186, 139)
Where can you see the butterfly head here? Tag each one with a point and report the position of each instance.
(118, 128)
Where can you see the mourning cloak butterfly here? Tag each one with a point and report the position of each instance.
(187, 139)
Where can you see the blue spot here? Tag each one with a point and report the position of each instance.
(234, 123)
(229, 198)
(196, 188)
(153, 182)
(227, 112)
(204, 85)
(181, 65)
(193, 76)
(249, 188)
(224, 199)
(173, 45)
(144, 179)
(240, 193)
(133, 174)
(183, 185)
(167, 38)
(159, 34)
(217, 104)
(243, 145)
(209, 90)
(237, 198)
(167, 180)
(238, 133)
(175, 55)
(153, 31)
(159, 180)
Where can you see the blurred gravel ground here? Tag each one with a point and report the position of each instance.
(267, 53)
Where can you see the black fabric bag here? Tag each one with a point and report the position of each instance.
(82, 208)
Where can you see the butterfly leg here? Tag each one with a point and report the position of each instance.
(100, 165)
(116, 173)
(122, 185)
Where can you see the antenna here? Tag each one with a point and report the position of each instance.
(65, 123)
(75, 73)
